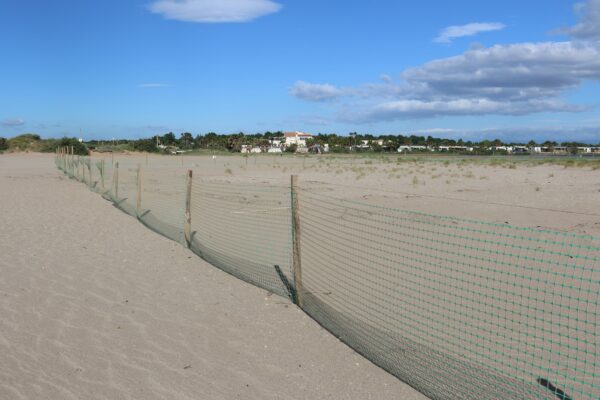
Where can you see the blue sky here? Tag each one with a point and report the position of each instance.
(472, 69)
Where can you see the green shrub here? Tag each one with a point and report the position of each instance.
(23, 142)
(147, 145)
(3, 144)
(78, 147)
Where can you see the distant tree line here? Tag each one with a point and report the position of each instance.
(337, 143)
(234, 142)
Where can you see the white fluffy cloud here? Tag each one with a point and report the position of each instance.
(471, 29)
(513, 79)
(589, 24)
(508, 72)
(316, 91)
(214, 11)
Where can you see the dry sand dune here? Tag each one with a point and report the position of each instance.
(95, 306)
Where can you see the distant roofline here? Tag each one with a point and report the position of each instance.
(296, 134)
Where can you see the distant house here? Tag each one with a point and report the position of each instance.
(520, 149)
(274, 150)
(276, 142)
(256, 150)
(411, 148)
(507, 149)
(297, 138)
(455, 148)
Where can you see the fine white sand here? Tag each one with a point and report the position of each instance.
(95, 306)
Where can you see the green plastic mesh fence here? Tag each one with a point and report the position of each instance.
(163, 201)
(456, 308)
(244, 229)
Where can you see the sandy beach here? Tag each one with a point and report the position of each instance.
(94, 305)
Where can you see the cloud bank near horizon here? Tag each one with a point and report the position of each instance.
(508, 79)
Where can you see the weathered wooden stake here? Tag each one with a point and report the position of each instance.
(116, 182)
(89, 167)
(138, 205)
(102, 175)
(296, 264)
(187, 229)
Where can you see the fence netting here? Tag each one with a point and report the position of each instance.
(456, 308)
(244, 229)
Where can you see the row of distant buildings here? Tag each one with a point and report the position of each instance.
(300, 139)
(507, 149)
(289, 139)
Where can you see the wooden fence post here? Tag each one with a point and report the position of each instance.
(138, 204)
(296, 264)
(72, 161)
(89, 168)
(187, 229)
(116, 182)
(102, 175)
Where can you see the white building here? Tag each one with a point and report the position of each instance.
(455, 148)
(276, 142)
(411, 148)
(297, 138)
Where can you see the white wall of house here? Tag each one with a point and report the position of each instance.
(297, 138)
